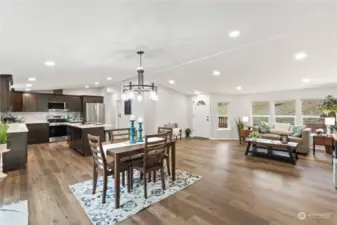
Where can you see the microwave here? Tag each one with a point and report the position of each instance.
(57, 106)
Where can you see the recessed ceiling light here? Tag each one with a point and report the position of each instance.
(32, 79)
(305, 80)
(171, 81)
(238, 88)
(216, 73)
(86, 86)
(197, 92)
(49, 63)
(96, 83)
(29, 85)
(27, 89)
(109, 90)
(300, 56)
(109, 78)
(234, 33)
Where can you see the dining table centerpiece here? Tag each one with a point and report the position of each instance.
(140, 129)
(132, 129)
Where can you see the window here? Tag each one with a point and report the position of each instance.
(222, 115)
(260, 112)
(285, 111)
(310, 112)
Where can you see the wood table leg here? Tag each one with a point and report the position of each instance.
(290, 151)
(173, 161)
(248, 147)
(117, 180)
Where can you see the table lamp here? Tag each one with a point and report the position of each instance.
(329, 121)
(245, 120)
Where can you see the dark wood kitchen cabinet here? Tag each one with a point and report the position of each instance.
(42, 105)
(6, 80)
(30, 102)
(78, 138)
(38, 133)
(74, 103)
(17, 101)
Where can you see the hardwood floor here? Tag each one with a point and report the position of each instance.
(234, 190)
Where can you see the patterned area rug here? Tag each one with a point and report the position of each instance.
(14, 214)
(131, 203)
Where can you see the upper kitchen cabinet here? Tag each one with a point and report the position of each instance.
(6, 81)
(74, 103)
(92, 99)
(17, 102)
(30, 102)
(42, 105)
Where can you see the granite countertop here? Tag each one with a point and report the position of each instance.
(17, 128)
(86, 126)
(36, 121)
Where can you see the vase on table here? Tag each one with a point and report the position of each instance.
(132, 129)
(140, 129)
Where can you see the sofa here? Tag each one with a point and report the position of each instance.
(275, 134)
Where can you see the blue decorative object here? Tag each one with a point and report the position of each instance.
(140, 132)
(132, 132)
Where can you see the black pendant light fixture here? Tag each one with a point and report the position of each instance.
(132, 91)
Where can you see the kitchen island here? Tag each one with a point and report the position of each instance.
(17, 140)
(78, 136)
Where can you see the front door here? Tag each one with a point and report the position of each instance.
(201, 116)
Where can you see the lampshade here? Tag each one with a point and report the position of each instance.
(245, 119)
(329, 121)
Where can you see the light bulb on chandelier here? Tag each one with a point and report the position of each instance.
(139, 98)
(131, 95)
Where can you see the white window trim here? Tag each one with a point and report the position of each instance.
(264, 116)
(228, 124)
(286, 116)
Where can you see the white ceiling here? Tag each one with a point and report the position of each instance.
(183, 40)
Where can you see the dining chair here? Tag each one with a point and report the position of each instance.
(100, 163)
(153, 159)
(121, 135)
(169, 132)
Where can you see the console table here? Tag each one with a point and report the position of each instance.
(326, 140)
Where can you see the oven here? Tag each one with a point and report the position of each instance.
(57, 129)
(57, 106)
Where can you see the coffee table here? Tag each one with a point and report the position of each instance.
(272, 149)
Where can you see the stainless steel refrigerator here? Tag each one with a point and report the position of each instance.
(94, 113)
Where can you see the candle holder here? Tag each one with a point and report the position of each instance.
(140, 132)
(132, 132)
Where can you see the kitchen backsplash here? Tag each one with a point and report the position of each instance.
(41, 116)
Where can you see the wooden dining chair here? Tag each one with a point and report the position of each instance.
(121, 135)
(169, 132)
(153, 159)
(100, 163)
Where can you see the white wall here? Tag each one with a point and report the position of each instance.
(240, 105)
(171, 107)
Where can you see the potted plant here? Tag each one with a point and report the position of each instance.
(187, 132)
(3, 135)
(329, 106)
(254, 135)
(239, 125)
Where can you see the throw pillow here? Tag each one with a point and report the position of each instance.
(297, 131)
(279, 132)
(265, 127)
(282, 126)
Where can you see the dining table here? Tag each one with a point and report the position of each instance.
(126, 149)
